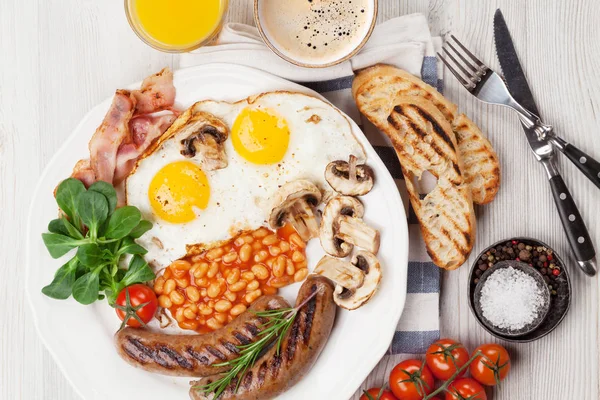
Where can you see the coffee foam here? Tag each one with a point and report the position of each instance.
(316, 32)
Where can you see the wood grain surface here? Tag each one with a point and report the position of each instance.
(58, 58)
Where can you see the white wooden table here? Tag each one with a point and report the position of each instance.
(58, 58)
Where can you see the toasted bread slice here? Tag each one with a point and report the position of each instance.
(392, 82)
(482, 171)
(425, 142)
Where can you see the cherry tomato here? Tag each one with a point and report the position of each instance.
(374, 393)
(444, 357)
(465, 388)
(493, 366)
(411, 380)
(142, 303)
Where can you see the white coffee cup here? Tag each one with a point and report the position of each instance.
(315, 33)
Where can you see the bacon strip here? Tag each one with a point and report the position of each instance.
(144, 130)
(127, 130)
(156, 94)
(84, 172)
(110, 134)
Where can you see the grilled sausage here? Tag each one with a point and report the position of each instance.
(273, 374)
(193, 355)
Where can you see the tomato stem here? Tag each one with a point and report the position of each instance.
(417, 380)
(494, 366)
(130, 310)
(454, 376)
(446, 352)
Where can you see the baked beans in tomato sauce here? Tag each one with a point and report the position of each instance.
(206, 291)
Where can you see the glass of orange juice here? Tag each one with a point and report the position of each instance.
(176, 25)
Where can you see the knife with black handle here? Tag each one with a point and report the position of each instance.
(577, 234)
(543, 142)
(585, 163)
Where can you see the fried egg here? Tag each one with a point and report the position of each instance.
(273, 138)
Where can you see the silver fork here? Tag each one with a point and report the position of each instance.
(489, 87)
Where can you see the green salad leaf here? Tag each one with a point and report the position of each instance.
(66, 195)
(90, 255)
(58, 245)
(138, 271)
(64, 227)
(86, 288)
(103, 235)
(58, 226)
(141, 228)
(92, 207)
(62, 284)
(129, 246)
(108, 191)
(122, 222)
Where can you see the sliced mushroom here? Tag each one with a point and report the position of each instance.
(295, 203)
(350, 178)
(205, 137)
(341, 272)
(330, 224)
(356, 281)
(342, 228)
(352, 299)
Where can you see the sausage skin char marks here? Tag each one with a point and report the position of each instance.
(273, 373)
(193, 355)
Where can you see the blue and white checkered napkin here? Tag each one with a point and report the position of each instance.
(406, 43)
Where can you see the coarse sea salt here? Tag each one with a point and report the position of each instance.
(511, 299)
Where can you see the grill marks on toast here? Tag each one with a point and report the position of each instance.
(448, 244)
(406, 84)
(438, 129)
(480, 168)
(449, 216)
(445, 220)
(479, 159)
(418, 122)
(424, 143)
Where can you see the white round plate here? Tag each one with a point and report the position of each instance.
(81, 337)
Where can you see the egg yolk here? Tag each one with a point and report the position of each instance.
(260, 136)
(177, 190)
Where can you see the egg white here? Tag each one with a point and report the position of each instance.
(239, 193)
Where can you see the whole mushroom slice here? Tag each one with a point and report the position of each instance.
(350, 178)
(342, 228)
(295, 203)
(204, 136)
(348, 293)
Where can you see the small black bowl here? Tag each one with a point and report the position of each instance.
(532, 272)
(559, 302)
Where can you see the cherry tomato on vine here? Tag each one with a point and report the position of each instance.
(378, 394)
(136, 305)
(411, 380)
(445, 356)
(465, 389)
(493, 366)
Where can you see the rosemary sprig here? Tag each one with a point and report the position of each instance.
(278, 324)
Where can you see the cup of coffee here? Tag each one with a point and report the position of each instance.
(315, 33)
